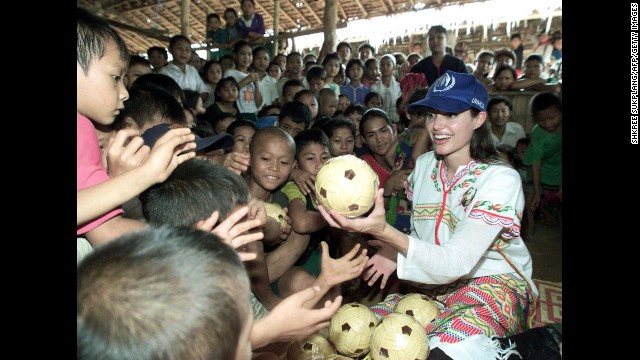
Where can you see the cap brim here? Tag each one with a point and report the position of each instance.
(210, 143)
(441, 103)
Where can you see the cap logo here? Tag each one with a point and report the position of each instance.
(477, 102)
(444, 83)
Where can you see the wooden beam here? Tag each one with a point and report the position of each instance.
(144, 32)
(330, 16)
(276, 26)
(139, 7)
(184, 17)
(364, 12)
(392, 6)
(300, 13)
(384, 5)
(344, 13)
(313, 12)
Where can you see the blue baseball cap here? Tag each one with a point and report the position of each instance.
(454, 92)
(210, 143)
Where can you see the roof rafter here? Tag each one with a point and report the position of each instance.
(364, 12)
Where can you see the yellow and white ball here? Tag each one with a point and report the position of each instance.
(399, 337)
(277, 212)
(350, 329)
(317, 346)
(347, 184)
(420, 306)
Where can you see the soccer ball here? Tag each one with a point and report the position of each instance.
(399, 337)
(420, 306)
(276, 212)
(347, 184)
(317, 346)
(350, 329)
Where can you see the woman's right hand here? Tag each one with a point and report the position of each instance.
(374, 223)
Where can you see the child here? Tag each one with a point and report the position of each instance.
(281, 60)
(343, 103)
(354, 112)
(484, 65)
(226, 98)
(544, 153)
(354, 90)
(388, 87)
(227, 62)
(439, 61)
(274, 70)
(529, 217)
(232, 27)
(371, 72)
(250, 96)
(138, 66)
(340, 78)
(216, 36)
(372, 100)
(251, 24)
(532, 78)
(307, 97)
(147, 107)
(366, 52)
(242, 132)
(220, 122)
(503, 77)
(172, 269)
(316, 76)
(413, 142)
(193, 102)
(341, 133)
(312, 151)
(289, 90)
(164, 82)
(211, 74)
(179, 69)
(331, 65)
(294, 117)
(328, 102)
(344, 50)
(102, 59)
(158, 57)
(293, 72)
(268, 84)
(501, 130)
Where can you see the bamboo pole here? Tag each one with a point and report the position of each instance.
(276, 26)
(184, 17)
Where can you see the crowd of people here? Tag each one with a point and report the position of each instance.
(202, 173)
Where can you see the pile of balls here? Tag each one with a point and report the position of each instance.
(355, 332)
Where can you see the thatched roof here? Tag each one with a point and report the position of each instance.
(146, 23)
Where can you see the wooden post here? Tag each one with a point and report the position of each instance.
(330, 19)
(276, 26)
(184, 17)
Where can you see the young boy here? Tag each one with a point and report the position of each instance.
(134, 293)
(328, 102)
(216, 36)
(138, 66)
(158, 57)
(354, 112)
(102, 59)
(544, 152)
(294, 117)
(179, 69)
(484, 65)
(289, 90)
(316, 76)
(533, 78)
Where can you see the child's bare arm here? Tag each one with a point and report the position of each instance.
(537, 187)
(290, 320)
(155, 168)
(421, 143)
(112, 229)
(305, 221)
(285, 255)
(337, 271)
(390, 155)
(234, 161)
(528, 84)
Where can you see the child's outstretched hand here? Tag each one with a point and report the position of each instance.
(304, 179)
(382, 264)
(337, 271)
(290, 320)
(124, 151)
(169, 152)
(233, 231)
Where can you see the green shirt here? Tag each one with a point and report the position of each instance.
(545, 147)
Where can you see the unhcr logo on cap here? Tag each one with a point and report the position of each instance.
(477, 102)
(444, 83)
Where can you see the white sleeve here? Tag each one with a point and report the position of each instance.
(494, 215)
